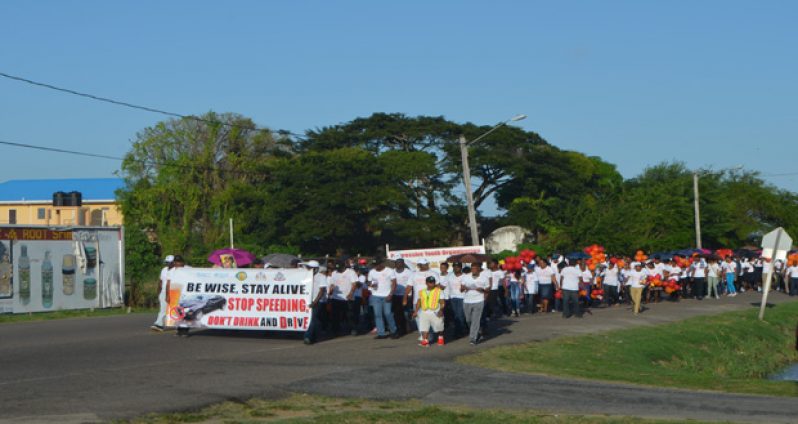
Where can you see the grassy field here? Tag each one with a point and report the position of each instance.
(317, 409)
(78, 313)
(732, 352)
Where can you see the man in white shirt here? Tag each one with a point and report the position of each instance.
(382, 282)
(158, 325)
(698, 275)
(570, 277)
(401, 309)
(547, 280)
(342, 284)
(496, 297)
(318, 301)
(475, 287)
(729, 268)
(635, 281)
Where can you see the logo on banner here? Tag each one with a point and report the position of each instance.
(279, 277)
(241, 276)
(177, 313)
(261, 276)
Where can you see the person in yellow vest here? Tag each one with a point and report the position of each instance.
(429, 311)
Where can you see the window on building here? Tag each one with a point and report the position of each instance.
(41, 213)
(12, 216)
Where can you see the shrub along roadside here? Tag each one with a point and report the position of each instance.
(732, 352)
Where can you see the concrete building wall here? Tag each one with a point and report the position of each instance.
(44, 213)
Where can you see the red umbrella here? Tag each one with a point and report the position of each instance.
(241, 257)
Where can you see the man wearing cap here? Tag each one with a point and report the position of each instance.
(418, 284)
(159, 321)
(319, 302)
(429, 311)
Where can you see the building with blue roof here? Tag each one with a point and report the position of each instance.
(30, 202)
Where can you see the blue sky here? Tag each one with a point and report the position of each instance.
(710, 83)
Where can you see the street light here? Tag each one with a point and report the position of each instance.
(472, 215)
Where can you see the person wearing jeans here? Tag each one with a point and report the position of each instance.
(791, 274)
(382, 283)
(729, 268)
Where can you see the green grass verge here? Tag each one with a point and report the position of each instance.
(732, 352)
(77, 313)
(318, 409)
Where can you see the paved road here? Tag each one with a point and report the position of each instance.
(81, 370)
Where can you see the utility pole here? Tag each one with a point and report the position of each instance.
(697, 212)
(472, 215)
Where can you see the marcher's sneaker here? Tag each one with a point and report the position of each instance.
(440, 341)
(424, 343)
(308, 342)
(156, 328)
(378, 337)
(395, 336)
(353, 333)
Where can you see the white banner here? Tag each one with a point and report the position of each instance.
(241, 299)
(435, 255)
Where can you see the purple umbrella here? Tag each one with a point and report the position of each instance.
(242, 257)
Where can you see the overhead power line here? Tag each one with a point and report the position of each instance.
(140, 107)
(143, 162)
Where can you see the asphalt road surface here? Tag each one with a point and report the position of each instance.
(95, 369)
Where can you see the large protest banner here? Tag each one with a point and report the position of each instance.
(242, 299)
(435, 255)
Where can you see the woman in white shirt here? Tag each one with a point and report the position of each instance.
(729, 268)
(635, 281)
(610, 283)
(713, 278)
(791, 274)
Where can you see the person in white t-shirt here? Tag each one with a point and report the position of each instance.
(729, 268)
(698, 276)
(341, 292)
(495, 303)
(531, 288)
(635, 280)
(570, 278)
(318, 296)
(713, 277)
(455, 295)
(475, 287)
(791, 275)
(382, 282)
(401, 310)
(611, 280)
(547, 283)
(159, 323)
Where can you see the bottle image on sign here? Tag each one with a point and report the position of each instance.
(24, 275)
(89, 288)
(91, 257)
(47, 281)
(5, 277)
(68, 274)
